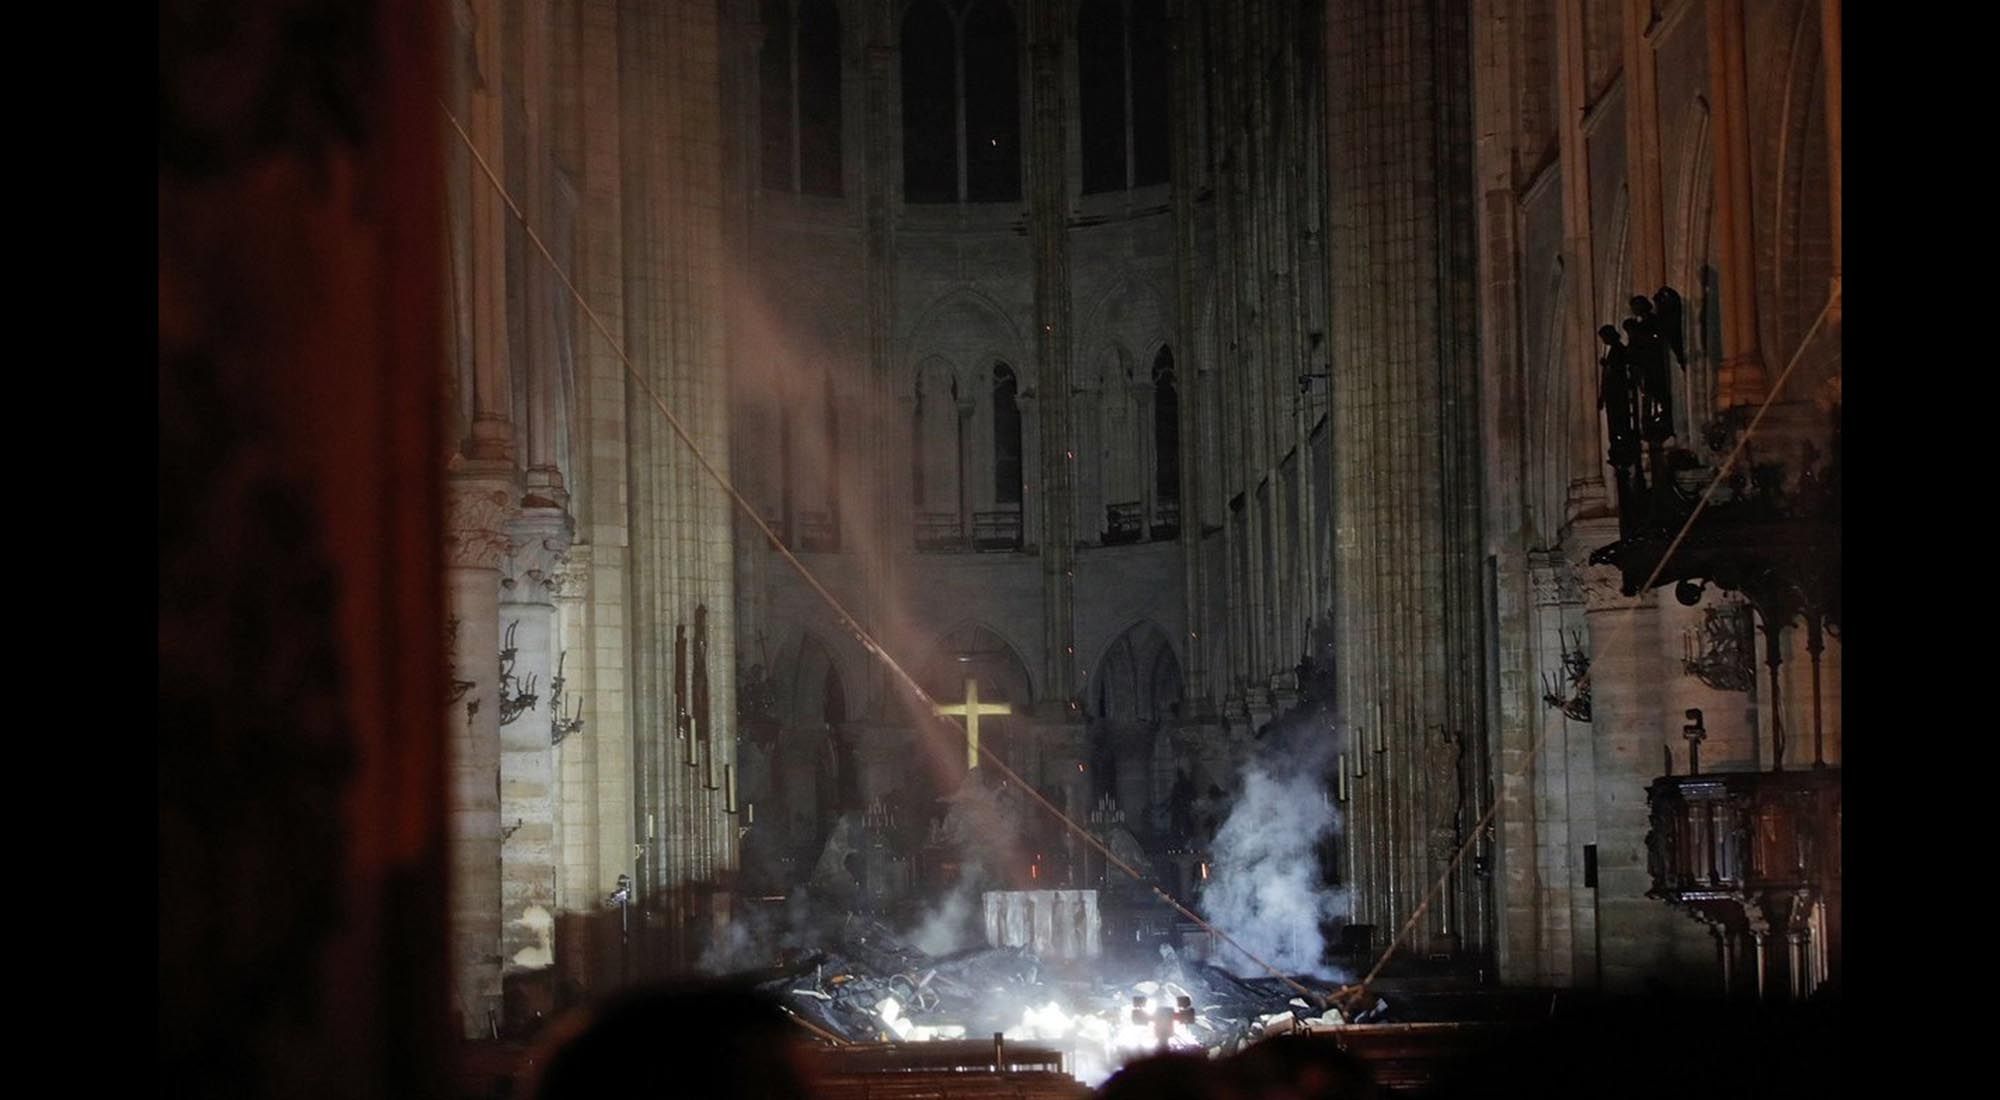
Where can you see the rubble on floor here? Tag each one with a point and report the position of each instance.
(873, 987)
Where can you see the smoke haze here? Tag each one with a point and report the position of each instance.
(1266, 889)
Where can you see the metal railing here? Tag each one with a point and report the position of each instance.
(997, 530)
(940, 531)
(1124, 522)
(818, 531)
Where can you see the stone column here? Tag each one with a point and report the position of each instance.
(1524, 583)
(885, 452)
(483, 117)
(1403, 391)
(1555, 800)
(673, 211)
(1647, 255)
(577, 837)
(1190, 362)
(1742, 379)
(604, 488)
(544, 299)
(1829, 25)
(1638, 938)
(1587, 491)
(479, 502)
(1048, 208)
(540, 538)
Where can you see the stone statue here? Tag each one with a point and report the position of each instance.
(1617, 395)
(1641, 350)
(1673, 325)
(1648, 352)
(1446, 753)
(1657, 335)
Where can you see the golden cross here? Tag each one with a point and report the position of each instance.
(971, 709)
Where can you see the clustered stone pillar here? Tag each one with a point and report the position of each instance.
(889, 509)
(1048, 204)
(1638, 938)
(1191, 362)
(479, 502)
(683, 577)
(540, 537)
(1742, 379)
(1586, 440)
(1405, 438)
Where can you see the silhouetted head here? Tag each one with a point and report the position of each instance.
(1608, 334)
(1642, 305)
(1304, 1067)
(1173, 1077)
(1652, 1048)
(718, 1041)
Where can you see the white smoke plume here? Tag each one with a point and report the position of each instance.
(1265, 889)
(757, 936)
(947, 927)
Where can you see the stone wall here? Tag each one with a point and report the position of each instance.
(1669, 170)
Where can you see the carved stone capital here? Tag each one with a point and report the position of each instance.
(1553, 581)
(477, 510)
(1600, 587)
(538, 550)
(1443, 844)
(571, 578)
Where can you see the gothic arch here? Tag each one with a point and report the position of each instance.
(996, 664)
(1129, 314)
(1148, 645)
(985, 332)
(1129, 701)
(814, 766)
(803, 680)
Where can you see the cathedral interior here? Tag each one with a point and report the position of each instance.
(1334, 493)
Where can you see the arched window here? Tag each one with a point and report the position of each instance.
(799, 97)
(930, 104)
(1166, 439)
(992, 105)
(1151, 89)
(1006, 436)
(1122, 86)
(961, 104)
(1100, 85)
(774, 88)
(819, 98)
